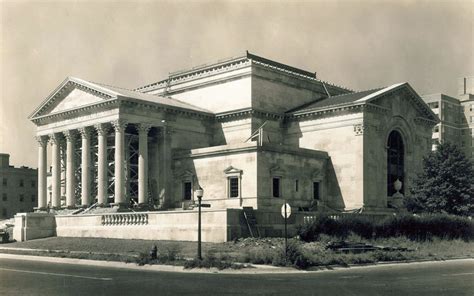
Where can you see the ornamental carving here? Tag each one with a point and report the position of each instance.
(143, 128)
(42, 140)
(70, 135)
(85, 132)
(102, 129)
(119, 125)
(56, 139)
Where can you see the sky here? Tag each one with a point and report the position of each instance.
(358, 44)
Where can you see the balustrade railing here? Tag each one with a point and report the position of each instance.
(124, 219)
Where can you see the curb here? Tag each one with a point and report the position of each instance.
(258, 269)
(254, 268)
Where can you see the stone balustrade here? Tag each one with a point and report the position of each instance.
(125, 219)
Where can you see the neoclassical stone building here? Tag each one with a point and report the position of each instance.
(250, 131)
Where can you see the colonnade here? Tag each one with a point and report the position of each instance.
(70, 136)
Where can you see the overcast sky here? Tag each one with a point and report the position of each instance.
(358, 44)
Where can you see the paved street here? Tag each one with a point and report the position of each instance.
(22, 277)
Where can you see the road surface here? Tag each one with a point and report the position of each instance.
(23, 277)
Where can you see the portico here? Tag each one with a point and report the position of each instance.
(79, 191)
(100, 149)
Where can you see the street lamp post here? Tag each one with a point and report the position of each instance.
(199, 194)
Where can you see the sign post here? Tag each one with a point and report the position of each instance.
(286, 212)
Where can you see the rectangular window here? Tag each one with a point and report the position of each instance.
(296, 185)
(316, 190)
(4, 197)
(33, 184)
(436, 129)
(187, 191)
(22, 183)
(33, 198)
(233, 187)
(276, 187)
(5, 182)
(22, 197)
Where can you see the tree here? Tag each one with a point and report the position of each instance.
(445, 184)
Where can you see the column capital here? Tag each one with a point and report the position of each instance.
(55, 139)
(85, 132)
(143, 128)
(102, 128)
(70, 135)
(42, 140)
(119, 125)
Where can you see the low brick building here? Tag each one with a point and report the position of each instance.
(18, 188)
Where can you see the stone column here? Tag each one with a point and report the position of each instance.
(102, 165)
(42, 172)
(119, 190)
(85, 167)
(143, 163)
(56, 172)
(70, 168)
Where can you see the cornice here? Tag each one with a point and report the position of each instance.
(247, 112)
(121, 102)
(68, 113)
(229, 65)
(425, 122)
(329, 110)
(184, 76)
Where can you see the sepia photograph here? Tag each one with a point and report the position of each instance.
(236, 147)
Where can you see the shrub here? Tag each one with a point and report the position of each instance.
(210, 260)
(294, 255)
(420, 228)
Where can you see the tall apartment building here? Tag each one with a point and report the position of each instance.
(456, 115)
(18, 188)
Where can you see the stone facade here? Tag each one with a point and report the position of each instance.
(251, 132)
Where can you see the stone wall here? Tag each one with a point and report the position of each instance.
(205, 167)
(174, 225)
(339, 137)
(33, 225)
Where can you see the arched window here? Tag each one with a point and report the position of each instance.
(395, 162)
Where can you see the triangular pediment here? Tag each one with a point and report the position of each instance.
(71, 94)
(232, 170)
(74, 99)
(399, 96)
